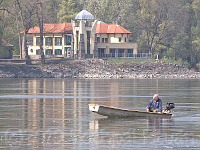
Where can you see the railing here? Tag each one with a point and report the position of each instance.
(129, 55)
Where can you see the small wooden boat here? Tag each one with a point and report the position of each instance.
(116, 112)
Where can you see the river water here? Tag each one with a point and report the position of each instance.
(53, 114)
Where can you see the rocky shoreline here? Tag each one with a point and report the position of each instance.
(98, 68)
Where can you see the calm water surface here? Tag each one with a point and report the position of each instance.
(53, 114)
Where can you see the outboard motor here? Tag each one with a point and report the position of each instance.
(169, 106)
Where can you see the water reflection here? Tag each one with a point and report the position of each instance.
(154, 125)
(150, 126)
(53, 114)
(127, 130)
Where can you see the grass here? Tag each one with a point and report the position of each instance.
(119, 60)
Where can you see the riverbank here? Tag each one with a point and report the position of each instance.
(96, 68)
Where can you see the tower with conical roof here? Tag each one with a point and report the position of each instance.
(84, 43)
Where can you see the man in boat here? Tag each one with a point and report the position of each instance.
(155, 105)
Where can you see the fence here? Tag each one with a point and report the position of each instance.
(129, 55)
(101, 55)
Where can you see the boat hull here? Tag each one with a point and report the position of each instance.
(116, 112)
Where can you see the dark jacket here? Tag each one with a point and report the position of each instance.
(155, 105)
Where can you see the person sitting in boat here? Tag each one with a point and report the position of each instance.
(155, 105)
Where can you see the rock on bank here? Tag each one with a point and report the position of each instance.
(97, 68)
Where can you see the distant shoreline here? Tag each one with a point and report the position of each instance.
(96, 69)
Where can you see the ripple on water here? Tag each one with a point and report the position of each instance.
(53, 114)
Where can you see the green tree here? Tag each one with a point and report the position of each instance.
(195, 50)
(51, 9)
(7, 27)
(1, 33)
(181, 45)
(158, 20)
(25, 11)
(69, 9)
(40, 17)
(108, 11)
(196, 9)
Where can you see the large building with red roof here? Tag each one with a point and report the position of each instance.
(113, 41)
(56, 41)
(82, 38)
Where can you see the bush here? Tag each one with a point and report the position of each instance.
(186, 64)
(198, 66)
(179, 62)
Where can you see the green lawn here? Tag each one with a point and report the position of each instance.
(119, 60)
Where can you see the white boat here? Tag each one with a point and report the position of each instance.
(117, 112)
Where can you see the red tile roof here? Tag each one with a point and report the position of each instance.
(102, 28)
(67, 28)
(5, 43)
(112, 28)
(53, 28)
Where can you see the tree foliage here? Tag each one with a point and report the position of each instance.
(171, 27)
(69, 9)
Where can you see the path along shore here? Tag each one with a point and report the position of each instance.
(97, 68)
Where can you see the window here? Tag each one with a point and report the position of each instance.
(98, 39)
(125, 39)
(88, 42)
(67, 40)
(49, 52)
(101, 52)
(120, 39)
(58, 52)
(106, 40)
(112, 52)
(102, 40)
(58, 40)
(38, 52)
(130, 50)
(49, 41)
(121, 51)
(77, 33)
(37, 41)
(31, 50)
